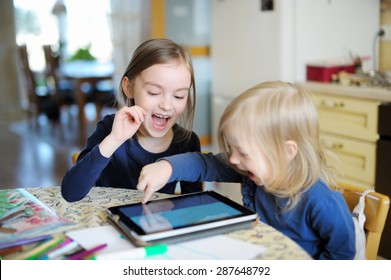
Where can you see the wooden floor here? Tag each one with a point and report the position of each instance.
(39, 155)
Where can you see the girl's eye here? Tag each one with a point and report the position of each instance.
(153, 93)
(243, 154)
(179, 97)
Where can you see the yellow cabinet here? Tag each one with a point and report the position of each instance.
(353, 160)
(348, 132)
(355, 118)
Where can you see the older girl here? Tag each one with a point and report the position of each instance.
(157, 90)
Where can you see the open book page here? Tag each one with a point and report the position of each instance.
(22, 216)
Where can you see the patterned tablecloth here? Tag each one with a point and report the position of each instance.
(91, 211)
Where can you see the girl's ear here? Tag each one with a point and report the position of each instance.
(291, 147)
(127, 87)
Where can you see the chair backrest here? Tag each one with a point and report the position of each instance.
(74, 157)
(40, 99)
(51, 68)
(28, 75)
(51, 58)
(376, 211)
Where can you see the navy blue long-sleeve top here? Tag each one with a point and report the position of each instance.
(122, 169)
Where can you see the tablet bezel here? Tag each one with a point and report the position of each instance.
(246, 216)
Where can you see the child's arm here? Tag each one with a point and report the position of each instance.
(193, 145)
(107, 137)
(153, 177)
(191, 167)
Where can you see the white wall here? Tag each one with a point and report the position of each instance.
(243, 45)
(249, 46)
(330, 29)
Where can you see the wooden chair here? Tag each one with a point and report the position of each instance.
(74, 157)
(62, 88)
(376, 211)
(40, 100)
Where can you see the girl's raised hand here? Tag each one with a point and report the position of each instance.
(126, 122)
(153, 177)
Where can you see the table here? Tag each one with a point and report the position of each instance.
(91, 211)
(85, 71)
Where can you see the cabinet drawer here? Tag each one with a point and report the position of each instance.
(352, 159)
(348, 116)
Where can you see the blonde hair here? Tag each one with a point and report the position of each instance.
(267, 116)
(161, 51)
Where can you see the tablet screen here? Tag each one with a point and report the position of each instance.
(179, 212)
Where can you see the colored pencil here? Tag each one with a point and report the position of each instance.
(42, 249)
(25, 241)
(10, 250)
(87, 253)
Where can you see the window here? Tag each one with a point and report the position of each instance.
(82, 24)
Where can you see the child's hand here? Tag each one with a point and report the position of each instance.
(153, 177)
(126, 122)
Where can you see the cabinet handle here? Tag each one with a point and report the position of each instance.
(331, 145)
(332, 104)
(337, 146)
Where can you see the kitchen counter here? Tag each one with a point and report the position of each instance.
(371, 93)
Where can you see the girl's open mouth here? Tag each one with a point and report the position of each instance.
(160, 121)
(250, 175)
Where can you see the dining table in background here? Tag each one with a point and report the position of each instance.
(81, 72)
(91, 211)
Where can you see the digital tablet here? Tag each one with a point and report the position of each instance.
(180, 218)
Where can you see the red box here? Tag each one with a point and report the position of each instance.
(323, 73)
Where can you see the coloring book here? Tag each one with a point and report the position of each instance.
(22, 215)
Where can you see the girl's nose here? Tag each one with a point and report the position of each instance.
(234, 159)
(165, 103)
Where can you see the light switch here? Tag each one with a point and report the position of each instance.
(267, 5)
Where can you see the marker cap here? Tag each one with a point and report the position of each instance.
(155, 249)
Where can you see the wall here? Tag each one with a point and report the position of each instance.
(10, 104)
(330, 29)
(250, 46)
(243, 45)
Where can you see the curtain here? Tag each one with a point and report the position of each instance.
(130, 27)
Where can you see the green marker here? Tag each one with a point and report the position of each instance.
(133, 254)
